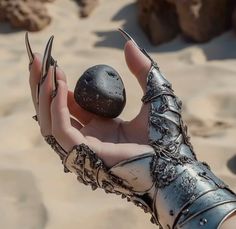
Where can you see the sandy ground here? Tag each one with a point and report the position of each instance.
(34, 191)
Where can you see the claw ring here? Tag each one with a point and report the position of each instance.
(35, 117)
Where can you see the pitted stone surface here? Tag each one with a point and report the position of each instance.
(101, 91)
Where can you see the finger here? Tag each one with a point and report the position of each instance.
(62, 129)
(44, 104)
(45, 90)
(47, 59)
(34, 78)
(137, 62)
(45, 100)
(77, 111)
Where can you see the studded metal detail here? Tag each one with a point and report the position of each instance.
(166, 127)
(172, 212)
(171, 173)
(203, 222)
(168, 135)
(186, 211)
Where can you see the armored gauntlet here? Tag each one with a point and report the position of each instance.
(169, 182)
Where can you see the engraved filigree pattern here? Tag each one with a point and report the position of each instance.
(167, 122)
(168, 167)
(92, 171)
(165, 128)
(163, 172)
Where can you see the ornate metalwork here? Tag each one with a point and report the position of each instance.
(163, 172)
(176, 189)
(91, 170)
(175, 184)
(169, 182)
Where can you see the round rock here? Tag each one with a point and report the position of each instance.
(101, 91)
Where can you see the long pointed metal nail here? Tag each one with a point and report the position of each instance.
(54, 80)
(47, 59)
(129, 38)
(28, 48)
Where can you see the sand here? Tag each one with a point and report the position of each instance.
(35, 193)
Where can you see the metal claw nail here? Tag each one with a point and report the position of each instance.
(54, 80)
(129, 38)
(47, 59)
(28, 48)
(35, 117)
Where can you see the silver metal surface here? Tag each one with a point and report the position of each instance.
(169, 182)
(47, 58)
(28, 48)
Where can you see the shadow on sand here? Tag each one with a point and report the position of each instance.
(221, 47)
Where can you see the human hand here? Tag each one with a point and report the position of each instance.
(113, 140)
(166, 179)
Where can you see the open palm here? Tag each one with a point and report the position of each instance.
(113, 140)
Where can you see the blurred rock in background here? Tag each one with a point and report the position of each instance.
(158, 19)
(30, 15)
(161, 20)
(197, 20)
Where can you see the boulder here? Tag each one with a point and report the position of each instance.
(201, 20)
(158, 19)
(197, 20)
(30, 15)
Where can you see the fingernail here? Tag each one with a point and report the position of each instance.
(47, 59)
(37, 93)
(54, 80)
(29, 50)
(129, 38)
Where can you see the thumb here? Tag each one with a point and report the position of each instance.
(137, 62)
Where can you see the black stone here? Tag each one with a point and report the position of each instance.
(101, 91)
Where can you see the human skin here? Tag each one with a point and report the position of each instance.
(113, 140)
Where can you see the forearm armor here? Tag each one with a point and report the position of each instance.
(168, 182)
